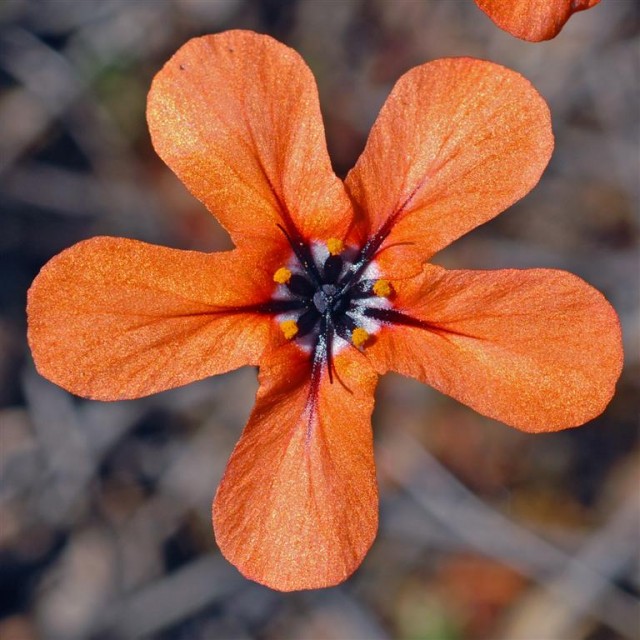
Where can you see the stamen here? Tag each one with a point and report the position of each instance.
(335, 246)
(289, 328)
(282, 275)
(382, 288)
(359, 336)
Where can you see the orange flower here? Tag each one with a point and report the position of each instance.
(533, 20)
(328, 287)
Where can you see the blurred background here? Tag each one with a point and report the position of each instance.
(485, 533)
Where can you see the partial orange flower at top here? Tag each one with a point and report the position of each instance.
(328, 287)
(533, 20)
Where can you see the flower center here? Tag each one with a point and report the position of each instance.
(330, 292)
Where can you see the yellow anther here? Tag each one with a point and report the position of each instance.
(289, 329)
(335, 246)
(282, 275)
(382, 288)
(359, 336)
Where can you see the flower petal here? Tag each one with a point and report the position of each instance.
(538, 349)
(298, 505)
(111, 318)
(533, 20)
(236, 116)
(457, 142)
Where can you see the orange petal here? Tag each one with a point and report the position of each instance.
(111, 318)
(537, 349)
(236, 116)
(533, 20)
(457, 142)
(298, 505)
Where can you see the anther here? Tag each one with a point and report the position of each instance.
(335, 246)
(359, 336)
(289, 328)
(282, 275)
(382, 288)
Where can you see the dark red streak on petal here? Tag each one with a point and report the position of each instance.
(391, 316)
(300, 249)
(289, 229)
(316, 374)
(372, 245)
(273, 307)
